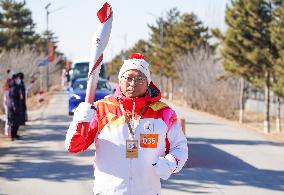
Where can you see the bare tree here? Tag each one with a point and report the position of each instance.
(198, 79)
(26, 61)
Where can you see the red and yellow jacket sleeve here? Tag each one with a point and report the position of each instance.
(75, 141)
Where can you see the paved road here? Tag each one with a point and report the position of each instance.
(223, 159)
(39, 165)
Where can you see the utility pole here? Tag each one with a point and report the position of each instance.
(123, 55)
(125, 41)
(161, 33)
(47, 40)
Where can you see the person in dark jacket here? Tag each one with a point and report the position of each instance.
(14, 106)
(24, 116)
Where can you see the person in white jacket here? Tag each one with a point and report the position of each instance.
(138, 138)
(7, 128)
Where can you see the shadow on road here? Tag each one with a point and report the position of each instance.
(49, 170)
(210, 165)
(52, 163)
(207, 164)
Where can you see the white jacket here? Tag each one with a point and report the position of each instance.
(158, 134)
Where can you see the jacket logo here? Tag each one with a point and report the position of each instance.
(148, 126)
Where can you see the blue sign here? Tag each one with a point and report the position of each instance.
(42, 62)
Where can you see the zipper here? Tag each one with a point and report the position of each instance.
(132, 137)
(130, 178)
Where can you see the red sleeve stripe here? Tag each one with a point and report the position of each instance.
(168, 145)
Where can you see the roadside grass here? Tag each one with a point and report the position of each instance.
(255, 121)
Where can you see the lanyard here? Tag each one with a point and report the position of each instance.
(132, 129)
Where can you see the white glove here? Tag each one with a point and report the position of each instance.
(164, 166)
(84, 113)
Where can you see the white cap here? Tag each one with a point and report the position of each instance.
(136, 62)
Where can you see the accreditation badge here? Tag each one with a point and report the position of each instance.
(131, 148)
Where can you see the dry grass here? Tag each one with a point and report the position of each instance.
(255, 121)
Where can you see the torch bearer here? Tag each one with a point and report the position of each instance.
(99, 42)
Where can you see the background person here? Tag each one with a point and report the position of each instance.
(14, 107)
(23, 105)
(7, 129)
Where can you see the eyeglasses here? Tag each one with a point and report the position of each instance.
(137, 80)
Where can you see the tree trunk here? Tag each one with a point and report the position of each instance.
(242, 102)
(266, 124)
(167, 88)
(161, 81)
(171, 89)
(278, 116)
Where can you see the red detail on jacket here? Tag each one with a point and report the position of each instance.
(168, 145)
(140, 102)
(7, 84)
(102, 112)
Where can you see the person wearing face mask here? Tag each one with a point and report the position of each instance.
(138, 138)
(14, 106)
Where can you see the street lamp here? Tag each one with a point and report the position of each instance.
(47, 39)
(161, 27)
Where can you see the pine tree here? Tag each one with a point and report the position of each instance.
(170, 37)
(173, 36)
(188, 34)
(148, 51)
(246, 47)
(114, 65)
(161, 34)
(49, 36)
(141, 46)
(277, 31)
(16, 25)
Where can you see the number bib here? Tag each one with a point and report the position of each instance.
(149, 140)
(131, 148)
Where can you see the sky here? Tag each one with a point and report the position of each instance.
(75, 21)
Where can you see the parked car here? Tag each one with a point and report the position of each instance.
(80, 69)
(77, 92)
